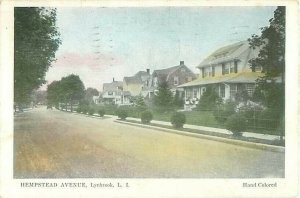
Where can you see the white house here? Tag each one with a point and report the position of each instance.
(113, 93)
(228, 70)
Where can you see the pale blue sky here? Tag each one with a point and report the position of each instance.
(101, 43)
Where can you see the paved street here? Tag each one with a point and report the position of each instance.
(54, 144)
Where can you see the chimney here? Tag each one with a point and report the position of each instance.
(181, 63)
(148, 71)
(113, 79)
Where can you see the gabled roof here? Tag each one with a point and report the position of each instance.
(245, 77)
(113, 86)
(137, 78)
(165, 73)
(227, 53)
(132, 80)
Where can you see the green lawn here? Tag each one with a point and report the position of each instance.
(200, 118)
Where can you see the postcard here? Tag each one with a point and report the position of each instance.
(149, 99)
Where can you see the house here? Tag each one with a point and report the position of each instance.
(174, 76)
(113, 93)
(228, 70)
(137, 83)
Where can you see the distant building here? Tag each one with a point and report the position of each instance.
(228, 70)
(174, 76)
(137, 83)
(113, 93)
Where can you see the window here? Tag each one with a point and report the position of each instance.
(175, 80)
(188, 93)
(202, 71)
(258, 69)
(222, 91)
(195, 92)
(231, 67)
(190, 79)
(250, 89)
(233, 90)
(110, 93)
(213, 70)
(155, 81)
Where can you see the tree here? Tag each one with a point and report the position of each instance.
(69, 89)
(73, 89)
(271, 59)
(209, 99)
(89, 93)
(140, 103)
(164, 97)
(36, 39)
(178, 101)
(54, 93)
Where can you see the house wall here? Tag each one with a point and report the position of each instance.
(183, 74)
(134, 88)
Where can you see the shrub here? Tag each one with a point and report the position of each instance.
(146, 117)
(84, 109)
(223, 111)
(101, 112)
(178, 120)
(78, 110)
(122, 113)
(236, 123)
(91, 111)
(269, 119)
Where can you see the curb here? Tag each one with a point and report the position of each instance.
(208, 137)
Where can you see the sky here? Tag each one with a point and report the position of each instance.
(100, 44)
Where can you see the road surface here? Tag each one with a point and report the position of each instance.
(54, 144)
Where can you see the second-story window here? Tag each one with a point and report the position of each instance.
(175, 80)
(225, 68)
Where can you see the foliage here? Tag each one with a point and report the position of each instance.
(178, 119)
(271, 59)
(78, 110)
(209, 100)
(122, 113)
(242, 95)
(91, 111)
(89, 93)
(236, 123)
(139, 103)
(36, 39)
(84, 109)
(54, 93)
(69, 89)
(177, 100)
(164, 97)
(146, 117)
(269, 119)
(101, 112)
(223, 111)
(271, 95)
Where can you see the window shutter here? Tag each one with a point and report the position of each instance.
(213, 70)
(202, 72)
(235, 67)
(223, 69)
